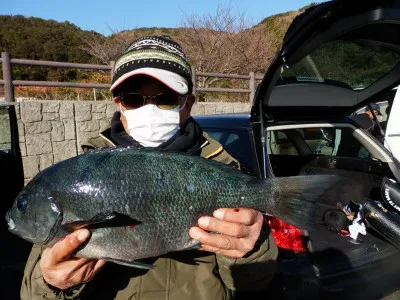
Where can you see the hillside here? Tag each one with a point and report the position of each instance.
(35, 38)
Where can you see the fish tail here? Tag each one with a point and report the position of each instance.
(302, 200)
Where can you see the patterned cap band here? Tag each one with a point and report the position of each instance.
(152, 53)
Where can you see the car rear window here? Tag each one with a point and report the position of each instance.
(351, 65)
(236, 143)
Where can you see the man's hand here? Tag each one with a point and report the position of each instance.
(230, 232)
(63, 270)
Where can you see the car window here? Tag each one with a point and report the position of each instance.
(5, 133)
(373, 118)
(383, 110)
(237, 143)
(348, 64)
(316, 141)
(279, 143)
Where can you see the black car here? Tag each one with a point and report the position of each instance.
(13, 250)
(318, 263)
(337, 58)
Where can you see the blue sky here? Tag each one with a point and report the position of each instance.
(102, 15)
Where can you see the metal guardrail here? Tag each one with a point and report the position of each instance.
(9, 83)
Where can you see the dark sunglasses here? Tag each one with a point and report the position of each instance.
(162, 101)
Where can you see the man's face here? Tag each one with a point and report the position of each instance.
(368, 112)
(148, 86)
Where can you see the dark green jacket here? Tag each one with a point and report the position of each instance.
(181, 275)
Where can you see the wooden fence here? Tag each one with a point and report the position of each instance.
(9, 83)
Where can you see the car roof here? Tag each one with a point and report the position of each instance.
(232, 120)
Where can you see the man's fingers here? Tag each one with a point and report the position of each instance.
(99, 265)
(237, 230)
(85, 269)
(244, 216)
(71, 272)
(212, 239)
(230, 253)
(65, 248)
(220, 244)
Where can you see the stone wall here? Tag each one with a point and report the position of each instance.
(51, 131)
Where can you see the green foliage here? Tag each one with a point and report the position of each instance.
(277, 25)
(38, 39)
(357, 65)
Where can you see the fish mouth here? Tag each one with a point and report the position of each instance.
(10, 222)
(12, 227)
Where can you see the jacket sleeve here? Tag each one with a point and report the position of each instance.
(213, 150)
(255, 270)
(33, 285)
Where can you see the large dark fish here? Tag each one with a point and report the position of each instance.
(141, 203)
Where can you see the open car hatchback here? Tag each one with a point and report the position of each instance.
(337, 58)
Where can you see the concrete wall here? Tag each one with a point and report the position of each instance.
(51, 131)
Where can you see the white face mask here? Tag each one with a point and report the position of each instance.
(151, 126)
(379, 118)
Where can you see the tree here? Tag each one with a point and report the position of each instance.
(38, 39)
(106, 49)
(225, 43)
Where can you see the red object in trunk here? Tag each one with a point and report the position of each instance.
(286, 236)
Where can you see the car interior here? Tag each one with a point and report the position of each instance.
(331, 148)
(338, 148)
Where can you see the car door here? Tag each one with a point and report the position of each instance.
(11, 175)
(13, 250)
(392, 134)
(332, 61)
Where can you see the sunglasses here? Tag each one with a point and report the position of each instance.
(164, 101)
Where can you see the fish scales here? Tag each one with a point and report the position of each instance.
(141, 203)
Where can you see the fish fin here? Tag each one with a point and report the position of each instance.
(99, 218)
(303, 200)
(105, 219)
(130, 263)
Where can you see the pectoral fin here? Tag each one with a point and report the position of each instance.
(101, 220)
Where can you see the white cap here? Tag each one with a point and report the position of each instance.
(172, 80)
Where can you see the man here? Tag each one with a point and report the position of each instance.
(367, 120)
(376, 110)
(152, 89)
(376, 118)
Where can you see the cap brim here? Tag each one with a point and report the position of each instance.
(172, 80)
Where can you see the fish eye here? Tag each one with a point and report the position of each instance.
(21, 205)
